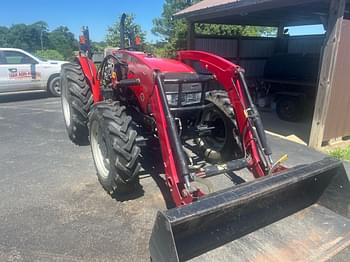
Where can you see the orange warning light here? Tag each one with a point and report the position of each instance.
(138, 40)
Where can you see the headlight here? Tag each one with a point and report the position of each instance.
(186, 99)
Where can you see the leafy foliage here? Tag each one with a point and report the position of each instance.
(36, 36)
(3, 36)
(131, 31)
(49, 54)
(234, 30)
(174, 31)
(166, 26)
(62, 40)
(98, 46)
(341, 153)
(27, 37)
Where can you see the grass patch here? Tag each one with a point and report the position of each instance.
(341, 153)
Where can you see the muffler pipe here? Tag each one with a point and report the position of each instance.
(122, 31)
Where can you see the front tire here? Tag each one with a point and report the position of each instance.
(113, 146)
(76, 100)
(224, 143)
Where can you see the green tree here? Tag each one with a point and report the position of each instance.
(37, 35)
(174, 31)
(98, 46)
(27, 37)
(166, 26)
(62, 40)
(17, 37)
(131, 29)
(49, 54)
(3, 36)
(233, 30)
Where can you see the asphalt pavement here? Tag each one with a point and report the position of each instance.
(52, 207)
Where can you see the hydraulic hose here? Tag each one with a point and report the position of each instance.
(174, 138)
(256, 119)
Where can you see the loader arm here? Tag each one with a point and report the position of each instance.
(169, 141)
(230, 76)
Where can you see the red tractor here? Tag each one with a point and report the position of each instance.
(197, 112)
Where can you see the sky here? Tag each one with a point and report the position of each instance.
(304, 30)
(97, 15)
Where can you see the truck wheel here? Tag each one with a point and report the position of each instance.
(288, 108)
(114, 149)
(54, 86)
(224, 142)
(76, 103)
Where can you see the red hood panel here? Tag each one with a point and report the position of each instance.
(167, 65)
(162, 64)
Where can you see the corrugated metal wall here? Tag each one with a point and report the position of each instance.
(222, 47)
(305, 44)
(250, 48)
(252, 53)
(338, 115)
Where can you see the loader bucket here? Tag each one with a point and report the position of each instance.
(220, 218)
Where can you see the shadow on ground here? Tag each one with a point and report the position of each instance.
(294, 131)
(27, 96)
(151, 162)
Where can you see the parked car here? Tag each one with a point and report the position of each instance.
(20, 71)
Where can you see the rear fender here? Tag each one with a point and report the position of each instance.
(90, 73)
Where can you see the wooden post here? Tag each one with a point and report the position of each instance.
(282, 41)
(280, 31)
(238, 50)
(191, 36)
(326, 76)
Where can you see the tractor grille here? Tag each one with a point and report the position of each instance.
(188, 86)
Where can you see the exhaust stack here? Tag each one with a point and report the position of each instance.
(122, 31)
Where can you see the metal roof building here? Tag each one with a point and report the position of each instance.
(331, 117)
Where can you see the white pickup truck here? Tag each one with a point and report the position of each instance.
(20, 71)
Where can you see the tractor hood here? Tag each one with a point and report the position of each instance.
(167, 65)
(162, 64)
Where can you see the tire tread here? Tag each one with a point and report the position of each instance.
(122, 135)
(81, 100)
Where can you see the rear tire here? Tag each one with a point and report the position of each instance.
(224, 143)
(76, 100)
(114, 150)
(289, 109)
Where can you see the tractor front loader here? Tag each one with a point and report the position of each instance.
(197, 112)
